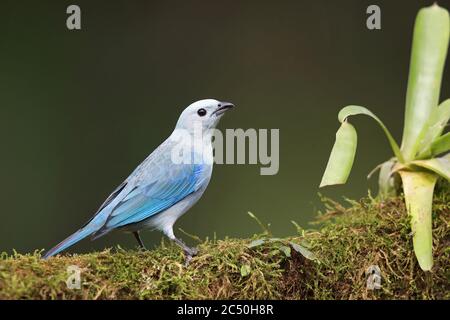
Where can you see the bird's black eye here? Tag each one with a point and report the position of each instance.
(201, 112)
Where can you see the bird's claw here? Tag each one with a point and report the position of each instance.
(193, 251)
(187, 259)
(189, 253)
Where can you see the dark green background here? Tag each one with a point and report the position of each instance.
(80, 109)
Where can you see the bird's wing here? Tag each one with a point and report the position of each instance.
(151, 197)
(111, 197)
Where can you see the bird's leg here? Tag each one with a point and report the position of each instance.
(139, 240)
(189, 252)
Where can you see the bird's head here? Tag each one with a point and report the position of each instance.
(205, 113)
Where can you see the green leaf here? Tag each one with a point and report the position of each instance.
(358, 110)
(245, 270)
(286, 251)
(429, 50)
(441, 165)
(303, 251)
(441, 145)
(386, 182)
(418, 188)
(342, 155)
(434, 128)
(256, 243)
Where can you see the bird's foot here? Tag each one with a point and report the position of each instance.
(192, 251)
(142, 249)
(189, 254)
(140, 242)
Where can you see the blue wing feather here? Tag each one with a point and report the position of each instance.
(148, 200)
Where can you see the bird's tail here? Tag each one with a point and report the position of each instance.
(69, 241)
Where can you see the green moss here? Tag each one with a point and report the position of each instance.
(346, 242)
(374, 233)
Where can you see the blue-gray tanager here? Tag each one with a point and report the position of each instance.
(165, 185)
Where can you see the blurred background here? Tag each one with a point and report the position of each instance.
(79, 110)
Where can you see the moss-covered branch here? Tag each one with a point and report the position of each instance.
(348, 241)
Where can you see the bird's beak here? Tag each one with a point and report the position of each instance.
(223, 107)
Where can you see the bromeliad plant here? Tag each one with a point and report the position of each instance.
(424, 153)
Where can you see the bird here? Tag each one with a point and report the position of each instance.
(164, 186)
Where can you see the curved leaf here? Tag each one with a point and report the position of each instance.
(256, 243)
(342, 155)
(303, 251)
(386, 182)
(441, 165)
(418, 188)
(357, 110)
(433, 129)
(429, 50)
(441, 145)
